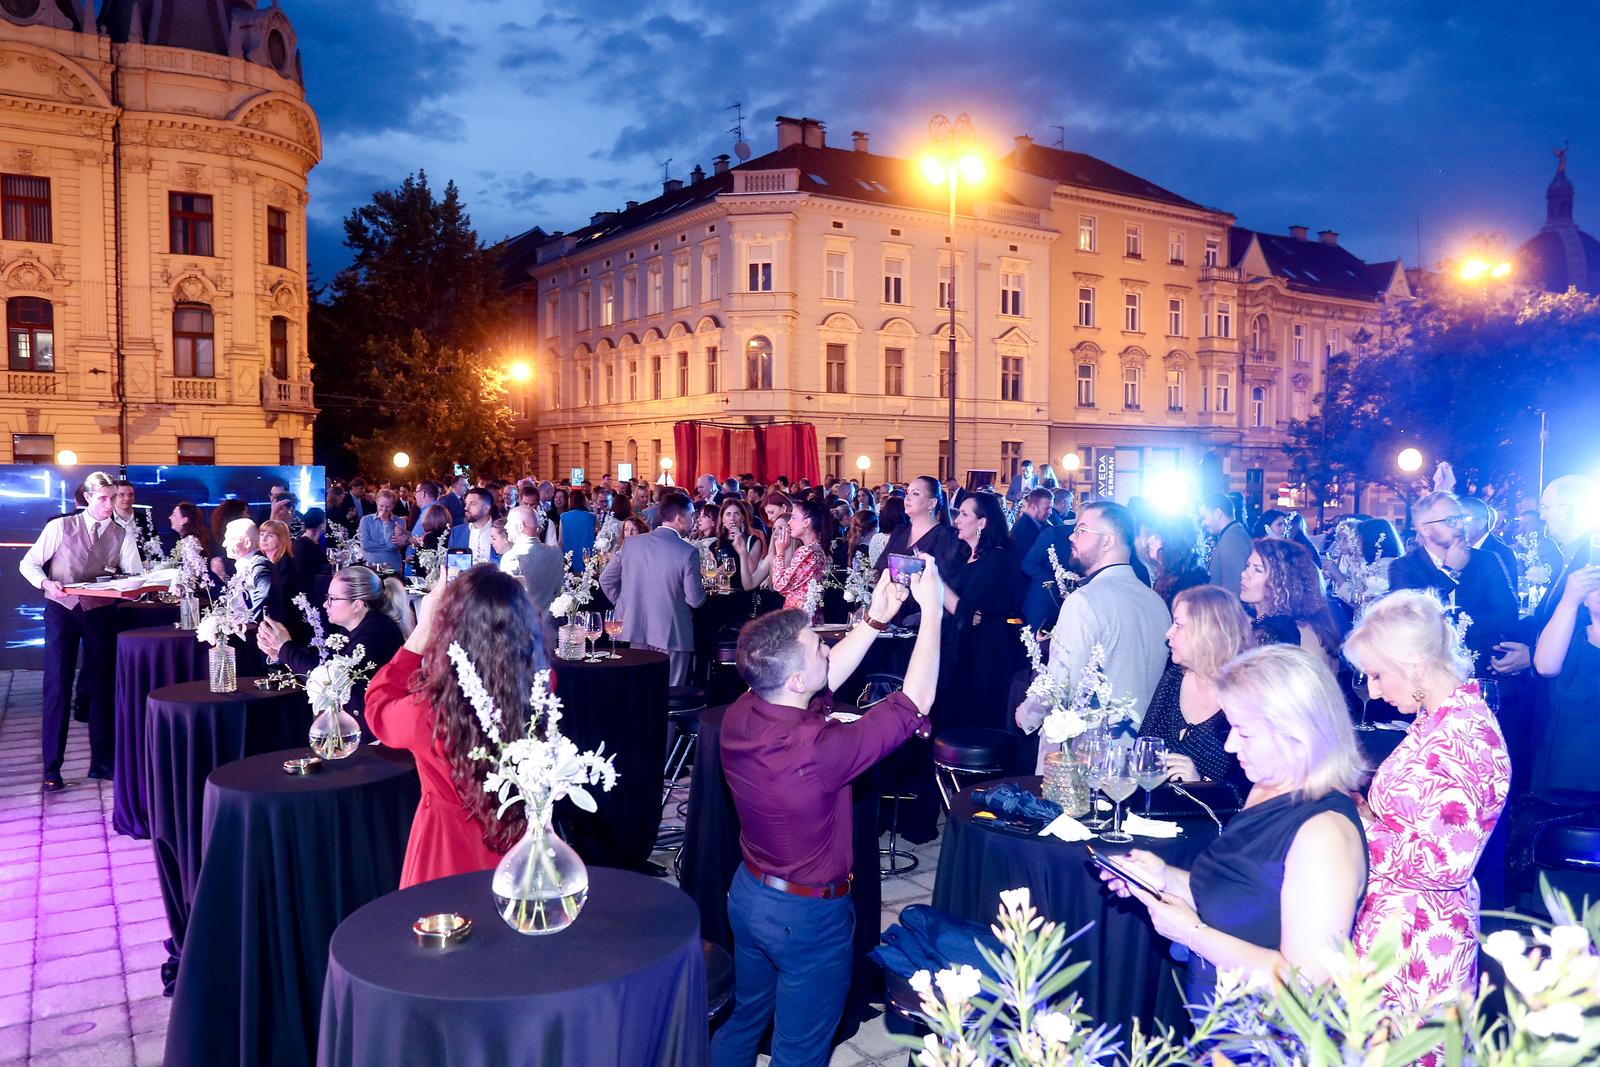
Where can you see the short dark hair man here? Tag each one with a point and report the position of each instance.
(1230, 549)
(789, 768)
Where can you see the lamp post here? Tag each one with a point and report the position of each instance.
(1409, 461)
(402, 460)
(1070, 463)
(66, 458)
(952, 160)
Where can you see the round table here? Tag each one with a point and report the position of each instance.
(622, 704)
(147, 659)
(189, 732)
(286, 859)
(624, 984)
(1132, 975)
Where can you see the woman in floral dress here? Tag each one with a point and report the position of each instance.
(1433, 803)
(795, 568)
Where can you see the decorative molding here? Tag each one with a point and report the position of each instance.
(23, 160)
(1087, 279)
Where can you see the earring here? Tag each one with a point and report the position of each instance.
(1417, 694)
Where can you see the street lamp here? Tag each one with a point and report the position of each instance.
(666, 471)
(1409, 460)
(402, 460)
(863, 464)
(66, 458)
(520, 371)
(953, 160)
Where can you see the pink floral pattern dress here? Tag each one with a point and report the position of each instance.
(1434, 802)
(794, 579)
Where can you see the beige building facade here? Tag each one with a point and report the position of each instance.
(153, 259)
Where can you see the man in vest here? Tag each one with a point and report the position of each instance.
(77, 548)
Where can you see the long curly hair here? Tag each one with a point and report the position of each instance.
(1294, 588)
(487, 613)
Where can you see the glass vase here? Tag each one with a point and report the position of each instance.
(335, 734)
(541, 885)
(224, 669)
(1064, 784)
(188, 612)
(570, 642)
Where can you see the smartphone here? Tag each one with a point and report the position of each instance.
(1119, 871)
(457, 560)
(902, 567)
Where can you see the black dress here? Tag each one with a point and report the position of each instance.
(940, 542)
(981, 650)
(1237, 880)
(379, 637)
(1202, 742)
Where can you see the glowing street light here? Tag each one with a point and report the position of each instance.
(1479, 269)
(402, 460)
(1071, 462)
(66, 457)
(863, 463)
(1409, 460)
(520, 371)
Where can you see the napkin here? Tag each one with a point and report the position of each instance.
(1140, 826)
(1067, 829)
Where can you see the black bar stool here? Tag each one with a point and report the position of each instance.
(1568, 854)
(892, 859)
(719, 980)
(973, 752)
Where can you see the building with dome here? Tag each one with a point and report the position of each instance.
(153, 164)
(1560, 256)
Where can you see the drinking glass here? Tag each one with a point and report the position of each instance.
(613, 627)
(592, 629)
(1358, 684)
(1150, 765)
(1117, 781)
(727, 567)
(1087, 749)
(1490, 688)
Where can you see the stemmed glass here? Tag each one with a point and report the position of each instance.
(726, 566)
(1087, 748)
(592, 629)
(1489, 688)
(613, 631)
(1150, 765)
(1117, 781)
(1358, 685)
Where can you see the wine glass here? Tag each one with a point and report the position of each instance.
(1358, 685)
(1087, 749)
(613, 626)
(1150, 765)
(1490, 690)
(726, 566)
(592, 629)
(1117, 781)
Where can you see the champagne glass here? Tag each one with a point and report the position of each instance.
(592, 629)
(1150, 765)
(613, 630)
(1087, 750)
(1117, 781)
(1358, 684)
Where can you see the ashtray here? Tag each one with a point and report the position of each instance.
(303, 765)
(441, 930)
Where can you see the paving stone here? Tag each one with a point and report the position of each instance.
(80, 1029)
(141, 910)
(18, 979)
(50, 1001)
(141, 985)
(145, 932)
(82, 898)
(61, 946)
(92, 878)
(20, 854)
(55, 848)
(18, 907)
(14, 1009)
(150, 1014)
(150, 1049)
(151, 954)
(74, 968)
(14, 1044)
(117, 1052)
(89, 861)
(14, 931)
(70, 922)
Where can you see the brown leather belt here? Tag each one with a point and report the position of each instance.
(831, 891)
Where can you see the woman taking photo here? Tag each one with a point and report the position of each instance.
(799, 556)
(927, 531)
(1433, 802)
(979, 597)
(415, 703)
(1280, 886)
(1280, 586)
(1208, 629)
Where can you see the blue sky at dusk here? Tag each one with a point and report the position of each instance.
(1364, 118)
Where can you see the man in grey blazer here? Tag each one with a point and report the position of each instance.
(1232, 547)
(539, 566)
(655, 583)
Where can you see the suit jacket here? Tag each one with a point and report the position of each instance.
(144, 528)
(257, 571)
(456, 506)
(461, 537)
(1229, 555)
(1483, 591)
(374, 536)
(1039, 603)
(1024, 532)
(540, 567)
(655, 583)
(1021, 487)
(1505, 554)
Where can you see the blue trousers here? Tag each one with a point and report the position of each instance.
(791, 958)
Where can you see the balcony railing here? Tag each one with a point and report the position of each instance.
(191, 389)
(1221, 274)
(34, 383)
(766, 181)
(284, 394)
(1014, 216)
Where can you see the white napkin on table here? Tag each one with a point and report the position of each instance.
(1140, 826)
(1067, 829)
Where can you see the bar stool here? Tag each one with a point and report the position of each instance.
(1569, 856)
(973, 751)
(719, 979)
(892, 859)
(684, 705)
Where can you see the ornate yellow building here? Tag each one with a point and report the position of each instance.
(153, 256)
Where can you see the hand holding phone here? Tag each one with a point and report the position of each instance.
(1112, 871)
(901, 567)
(456, 562)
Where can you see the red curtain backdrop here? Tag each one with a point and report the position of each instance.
(729, 451)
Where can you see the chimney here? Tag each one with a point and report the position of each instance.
(1023, 143)
(719, 165)
(858, 140)
(671, 185)
(1298, 232)
(789, 132)
(697, 175)
(1329, 237)
(632, 204)
(599, 217)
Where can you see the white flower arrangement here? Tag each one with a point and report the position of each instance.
(431, 559)
(577, 589)
(228, 616)
(1066, 581)
(858, 582)
(1458, 630)
(1071, 712)
(331, 683)
(313, 617)
(191, 567)
(153, 552)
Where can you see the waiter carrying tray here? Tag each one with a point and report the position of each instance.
(789, 767)
(70, 549)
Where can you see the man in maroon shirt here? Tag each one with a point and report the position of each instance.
(790, 767)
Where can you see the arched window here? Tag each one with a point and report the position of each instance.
(30, 327)
(193, 330)
(758, 363)
(280, 347)
(1260, 334)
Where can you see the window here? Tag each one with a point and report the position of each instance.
(891, 459)
(30, 330)
(1224, 392)
(1131, 381)
(1010, 293)
(196, 451)
(555, 459)
(608, 303)
(711, 369)
(286, 451)
(1175, 317)
(835, 369)
(1085, 305)
(1332, 347)
(760, 268)
(1300, 407)
(1086, 385)
(1086, 233)
(680, 290)
(1297, 339)
(836, 276)
(1010, 377)
(1224, 319)
(683, 374)
(25, 208)
(630, 297)
(586, 384)
(1010, 460)
(1174, 389)
(1258, 407)
(190, 217)
(277, 238)
(192, 330)
(894, 280)
(280, 347)
(945, 473)
(33, 448)
(946, 288)
(708, 277)
(552, 307)
(1213, 254)
(758, 363)
(1133, 241)
(657, 282)
(833, 457)
(633, 379)
(894, 372)
(1175, 246)
(1130, 312)
(611, 382)
(1260, 334)
(655, 377)
(944, 369)
(583, 310)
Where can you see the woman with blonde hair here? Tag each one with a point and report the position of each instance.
(1435, 800)
(1208, 629)
(1280, 886)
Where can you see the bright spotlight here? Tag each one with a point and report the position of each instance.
(1171, 491)
(972, 168)
(1409, 460)
(666, 463)
(1474, 268)
(1501, 270)
(934, 170)
(402, 460)
(66, 457)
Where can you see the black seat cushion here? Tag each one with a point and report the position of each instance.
(974, 748)
(685, 698)
(1573, 845)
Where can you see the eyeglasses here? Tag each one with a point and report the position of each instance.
(1080, 528)
(334, 599)
(1452, 521)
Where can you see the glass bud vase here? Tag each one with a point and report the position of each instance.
(570, 642)
(224, 669)
(335, 734)
(1064, 784)
(188, 612)
(541, 885)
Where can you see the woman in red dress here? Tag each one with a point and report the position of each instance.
(414, 703)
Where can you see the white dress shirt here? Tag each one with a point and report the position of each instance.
(33, 562)
(478, 539)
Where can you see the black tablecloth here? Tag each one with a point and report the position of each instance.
(189, 732)
(286, 859)
(1132, 975)
(624, 985)
(147, 659)
(621, 703)
(137, 614)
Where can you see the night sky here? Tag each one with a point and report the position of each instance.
(1372, 119)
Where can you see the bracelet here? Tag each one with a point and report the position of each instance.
(875, 624)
